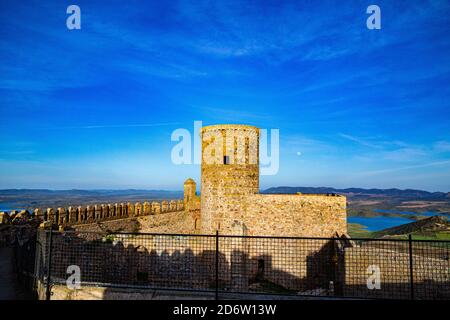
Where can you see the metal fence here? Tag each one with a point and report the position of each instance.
(324, 267)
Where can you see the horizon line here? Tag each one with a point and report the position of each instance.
(181, 190)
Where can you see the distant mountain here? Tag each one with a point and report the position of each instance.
(72, 192)
(407, 193)
(32, 198)
(358, 198)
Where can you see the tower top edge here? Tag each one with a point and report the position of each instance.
(229, 126)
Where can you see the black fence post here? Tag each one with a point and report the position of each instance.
(411, 277)
(48, 291)
(217, 264)
(332, 285)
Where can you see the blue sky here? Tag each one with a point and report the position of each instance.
(95, 108)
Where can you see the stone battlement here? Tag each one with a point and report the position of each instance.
(93, 213)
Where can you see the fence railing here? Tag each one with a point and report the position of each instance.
(220, 264)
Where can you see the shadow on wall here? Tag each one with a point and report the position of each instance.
(188, 263)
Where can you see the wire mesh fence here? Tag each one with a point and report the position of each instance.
(324, 267)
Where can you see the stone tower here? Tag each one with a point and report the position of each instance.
(189, 193)
(229, 173)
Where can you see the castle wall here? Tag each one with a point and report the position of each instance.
(295, 215)
(169, 222)
(285, 215)
(174, 222)
(292, 215)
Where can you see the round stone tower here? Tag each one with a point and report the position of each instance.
(229, 172)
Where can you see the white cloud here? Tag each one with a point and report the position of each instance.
(423, 165)
(362, 141)
(442, 146)
(405, 154)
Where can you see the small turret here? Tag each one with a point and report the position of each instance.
(190, 188)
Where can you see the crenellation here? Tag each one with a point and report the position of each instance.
(137, 209)
(164, 206)
(180, 205)
(22, 216)
(90, 213)
(97, 212)
(130, 209)
(117, 210)
(12, 214)
(147, 208)
(94, 213)
(172, 205)
(38, 214)
(60, 216)
(82, 215)
(50, 215)
(156, 207)
(72, 215)
(4, 217)
(104, 214)
(111, 211)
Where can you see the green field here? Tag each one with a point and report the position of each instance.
(356, 230)
(442, 235)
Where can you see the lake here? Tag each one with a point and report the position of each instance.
(8, 206)
(379, 223)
